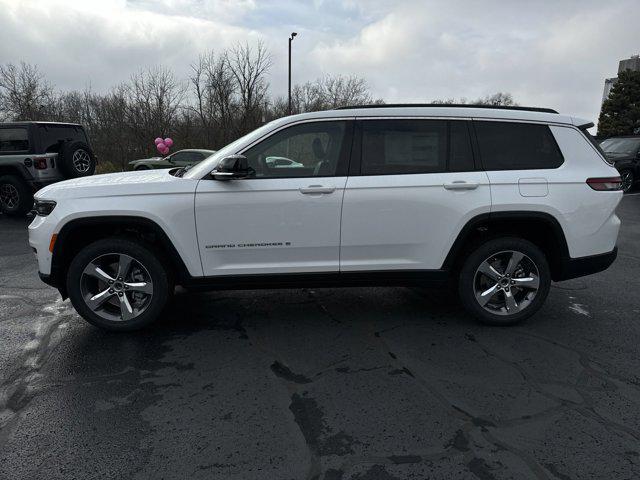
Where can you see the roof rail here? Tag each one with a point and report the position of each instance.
(449, 105)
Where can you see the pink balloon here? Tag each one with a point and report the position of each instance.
(157, 140)
(161, 146)
(165, 150)
(168, 142)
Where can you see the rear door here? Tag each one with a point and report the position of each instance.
(414, 186)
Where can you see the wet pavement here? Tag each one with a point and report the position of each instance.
(362, 383)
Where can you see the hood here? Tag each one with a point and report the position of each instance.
(118, 184)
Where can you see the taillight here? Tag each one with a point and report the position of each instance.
(40, 163)
(606, 184)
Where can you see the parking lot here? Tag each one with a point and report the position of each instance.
(362, 383)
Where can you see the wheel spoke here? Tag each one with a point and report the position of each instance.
(97, 300)
(510, 302)
(95, 271)
(514, 261)
(532, 282)
(124, 264)
(487, 269)
(125, 307)
(144, 287)
(484, 297)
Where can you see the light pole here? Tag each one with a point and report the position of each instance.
(293, 34)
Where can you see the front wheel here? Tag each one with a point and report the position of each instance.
(118, 285)
(504, 281)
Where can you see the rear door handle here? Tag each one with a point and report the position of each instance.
(461, 185)
(317, 189)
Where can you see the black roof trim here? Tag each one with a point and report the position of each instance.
(450, 105)
(35, 122)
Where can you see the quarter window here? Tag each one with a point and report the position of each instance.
(517, 146)
(303, 150)
(391, 147)
(14, 140)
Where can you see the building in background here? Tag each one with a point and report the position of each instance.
(632, 63)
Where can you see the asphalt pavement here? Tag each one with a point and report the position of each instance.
(359, 383)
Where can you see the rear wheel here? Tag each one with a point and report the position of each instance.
(627, 180)
(16, 198)
(504, 281)
(117, 284)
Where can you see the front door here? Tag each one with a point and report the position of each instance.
(285, 217)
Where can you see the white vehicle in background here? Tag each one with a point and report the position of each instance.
(282, 162)
(497, 201)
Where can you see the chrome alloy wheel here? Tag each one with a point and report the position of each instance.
(506, 283)
(9, 196)
(116, 287)
(81, 161)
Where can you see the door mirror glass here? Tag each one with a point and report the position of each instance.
(233, 166)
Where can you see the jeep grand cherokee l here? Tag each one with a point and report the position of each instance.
(499, 202)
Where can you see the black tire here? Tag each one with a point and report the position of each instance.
(497, 250)
(142, 167)
(76, 159)
(628, 180)
(143, 255)
(16, 198)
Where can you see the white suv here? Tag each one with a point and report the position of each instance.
(500, 201)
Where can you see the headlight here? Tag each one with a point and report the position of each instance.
(44, 207)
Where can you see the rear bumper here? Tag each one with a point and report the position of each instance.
(579, 267)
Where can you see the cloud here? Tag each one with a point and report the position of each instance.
(546, 53)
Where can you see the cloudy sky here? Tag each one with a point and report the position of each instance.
(552, 53)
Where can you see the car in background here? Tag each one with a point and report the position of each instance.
(282, 162)
(181, 158)
(624, 153)
(36, 154)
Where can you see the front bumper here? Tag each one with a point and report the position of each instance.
(579, 267)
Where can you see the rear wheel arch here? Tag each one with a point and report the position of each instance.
(78, 233)
(540, 228)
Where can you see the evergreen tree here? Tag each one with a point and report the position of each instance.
(620, 114)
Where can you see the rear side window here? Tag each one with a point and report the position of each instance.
(14, 140)
(403, 146)
(517, 146)
(52, 135)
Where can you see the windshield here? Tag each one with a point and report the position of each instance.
(621, 145)
(208, 164)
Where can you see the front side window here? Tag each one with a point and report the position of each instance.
(392, 147)
(517, 146)
(304, 150)
(14, 140)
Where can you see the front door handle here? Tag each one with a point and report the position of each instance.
(317, 189)
(461, 185)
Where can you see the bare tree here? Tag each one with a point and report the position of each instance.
(214, 87)
(153, 99)
(24, 93)
(249, 67)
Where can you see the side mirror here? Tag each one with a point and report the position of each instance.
(233, 166)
